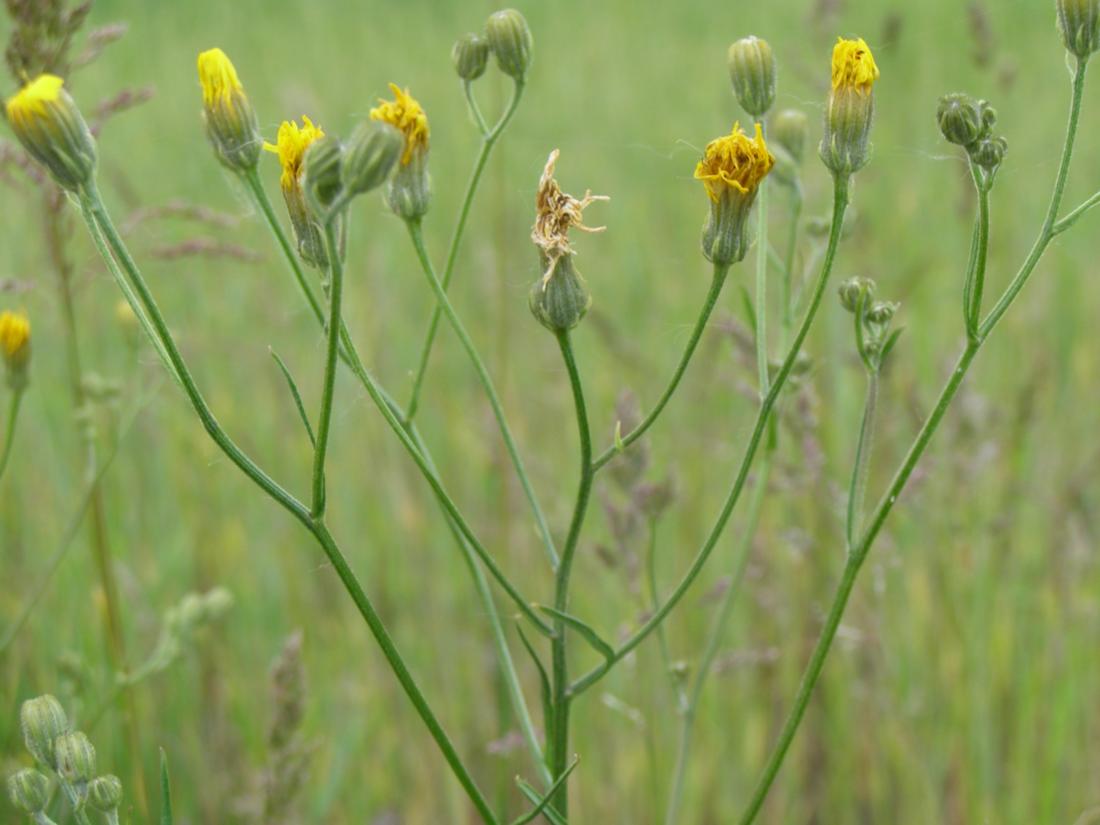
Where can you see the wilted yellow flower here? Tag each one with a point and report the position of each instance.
(853, 65)
(15, 339)
(291, 144)
(406, 114)
(52, 130)
(734, 161)
(556, 212)
(560, 298)
(230, 120)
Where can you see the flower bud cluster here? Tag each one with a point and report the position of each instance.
(968, 122)
(65, 754)
(873, 318)
(506, 37)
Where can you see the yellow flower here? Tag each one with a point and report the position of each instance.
(290, 145)
(218, 78)
(52, 130)
(407, 115)
(853, 65)
(15, 338)
(230, 119)
(734, 162)
(32, 100)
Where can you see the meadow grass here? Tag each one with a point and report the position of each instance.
(965, 686)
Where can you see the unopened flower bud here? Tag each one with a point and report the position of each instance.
(230, 119)
(370, 155)
(321, 172)
(43, 720)
(964, 120)
(52, 130)
(510, 41)
(790, 129)
(470, 56)
(105, 793)
(75, 758)
(1079, 25)
(732, 169)
(845, 145)
(410, 189)
(881, 312)
(752, 73)
(29, 790)
(854, 291)
(990, 153)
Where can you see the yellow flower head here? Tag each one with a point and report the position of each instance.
(32, 101)
(52, 130)
(853, 65)
(407, 115)
(15, 338)
(218, 78)
(734, 162)
(290, 145)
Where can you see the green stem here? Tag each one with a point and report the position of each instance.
(859, 553)
(9, 429)
(456, 240)
(115, 253)
(256, 188)
(714, 641)
(975, 279)
(625, 441)
(1049, 225)
(788, 263)
(444, 303)
(105, 236)
(401, 671)
(324, 422)
(840, 204)
(857, 489)
(762, 290)
(560, 697)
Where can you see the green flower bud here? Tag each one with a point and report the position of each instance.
(790, 130)
(105, 793)
(43, 720)
(853, 290)
(75, 758)
(882, 312)
(372, 151)
(29, 790)
(1079, 25)
(230, 119)
(510, 40)
(752, 73)
(321, 173)
(470, 55)
(989, 154)
(964, 120)
(560, 299)
(52, 130)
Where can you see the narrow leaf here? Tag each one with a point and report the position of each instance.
(544, 680)
(550, 812)
(544, 804)
(297, 396)
(590, 635)
(889, 345)
(165, 791)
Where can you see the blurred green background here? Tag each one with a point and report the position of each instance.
(965, 686)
